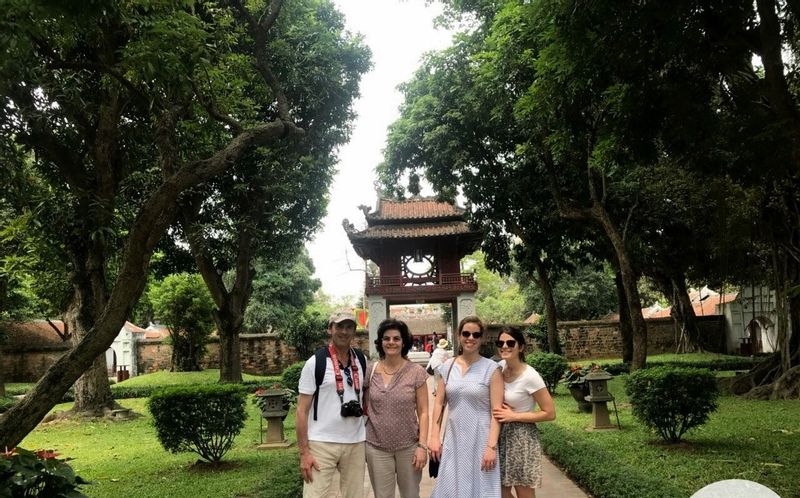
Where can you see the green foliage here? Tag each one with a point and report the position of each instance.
(200, 419)
(538, 333)
(6, 402)
(281, 292)
(672, 400)
(306, 331)
(585, 292)
(589, 462)
(718, 363)
(183, 303)
(37, 473)
(550, 366)
(575, 376)
(498, 299)
(290, 378)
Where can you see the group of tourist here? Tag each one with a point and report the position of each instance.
(485, 447)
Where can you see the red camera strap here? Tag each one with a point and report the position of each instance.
(337, 373)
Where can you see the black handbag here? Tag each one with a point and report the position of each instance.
(433, 467)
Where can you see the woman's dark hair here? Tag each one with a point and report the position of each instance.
(400, 326)
(518, 336)
(468, 319)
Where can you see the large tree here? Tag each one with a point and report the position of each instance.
(118, 102)
(275, 198)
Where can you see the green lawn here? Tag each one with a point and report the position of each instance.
(754, 440)
(126, 459)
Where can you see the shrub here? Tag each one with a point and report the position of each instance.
(550, 366)
(203, 419)
(589, 463)
(290, 378)
(37, 473)
(672, 400)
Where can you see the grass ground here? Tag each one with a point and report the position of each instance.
(753, 440)
(126, 459)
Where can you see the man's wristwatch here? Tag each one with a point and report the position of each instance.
(420, 445)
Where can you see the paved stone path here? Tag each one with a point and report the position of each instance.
(555, 484)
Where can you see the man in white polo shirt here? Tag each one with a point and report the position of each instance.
(330, 428)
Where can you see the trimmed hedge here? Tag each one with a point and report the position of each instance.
(550, 366)
(672, 400)
(291, 376)
(617, 368)
(202, 419)
(596, 470)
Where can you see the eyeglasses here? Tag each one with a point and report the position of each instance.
(347, 374)
(475, 335)
(506, 344)
(387, 338)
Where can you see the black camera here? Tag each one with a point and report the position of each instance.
(352, 409)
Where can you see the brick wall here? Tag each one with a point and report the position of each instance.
(601, 338)
(29, 364)
(261, 354)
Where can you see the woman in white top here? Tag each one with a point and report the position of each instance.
(520, 454)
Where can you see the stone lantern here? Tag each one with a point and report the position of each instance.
(272, 409)
(598, 397)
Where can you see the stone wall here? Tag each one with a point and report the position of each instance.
(261, 354)
(601, 338)
(29, 364)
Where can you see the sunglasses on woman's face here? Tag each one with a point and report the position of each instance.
(475, 335)
(506, 344)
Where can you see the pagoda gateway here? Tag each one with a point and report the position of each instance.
(417, 245)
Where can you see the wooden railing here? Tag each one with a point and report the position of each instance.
(444, 280)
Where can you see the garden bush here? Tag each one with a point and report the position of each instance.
(672, 400)
(37, 473)
(290, 378)
(550, 366)
(202, 419)
(589, 463)
(717, 364)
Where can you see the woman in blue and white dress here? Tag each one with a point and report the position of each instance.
(473, 386)
(520, 452)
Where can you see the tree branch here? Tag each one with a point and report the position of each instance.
(211, 108)
(259, 33)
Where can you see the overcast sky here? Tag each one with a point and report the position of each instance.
(398, 33)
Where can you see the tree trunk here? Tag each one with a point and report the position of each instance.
(549, 307)
(625, 326)
(92, 390)
(629, 284)
(230, 363)
(683, 313)
(794, 318)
